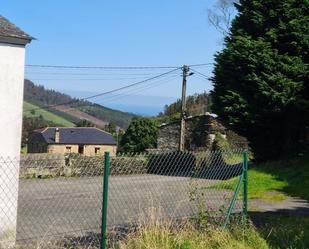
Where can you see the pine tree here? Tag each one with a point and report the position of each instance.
(261, 86)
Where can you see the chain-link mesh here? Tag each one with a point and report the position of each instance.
(180, 184)
(60, 197)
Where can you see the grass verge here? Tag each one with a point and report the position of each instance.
(265, 232)
(164, 236)
(275, 180)
(284, 231)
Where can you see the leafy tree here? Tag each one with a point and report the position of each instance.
(140, 135)
(84, 123)
(111, 128)
(195, 104)
(32, 123)
(261, 77)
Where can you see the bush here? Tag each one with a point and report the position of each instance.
(220, 143)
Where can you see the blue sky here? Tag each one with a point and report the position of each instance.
(117, 33)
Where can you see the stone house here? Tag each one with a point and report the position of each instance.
(200, 132)
(88, 141)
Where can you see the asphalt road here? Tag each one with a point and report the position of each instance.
(72, 206)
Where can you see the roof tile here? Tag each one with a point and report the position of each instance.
(78, 135)
(8, 29)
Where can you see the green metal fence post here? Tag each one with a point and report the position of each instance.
(245, 183)
(105, 198)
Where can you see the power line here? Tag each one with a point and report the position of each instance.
(200, 65)
(134, 91)
(105, 93)
(89, 79)
(101, 67)
(112, 67)
(201, 74)
(67, 73)
(138, 90)
(199, 77)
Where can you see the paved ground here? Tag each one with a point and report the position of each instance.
(290, 206)
(70, 205)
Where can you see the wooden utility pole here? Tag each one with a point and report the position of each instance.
(185, 70)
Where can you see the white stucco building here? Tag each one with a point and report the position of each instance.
(12, 62)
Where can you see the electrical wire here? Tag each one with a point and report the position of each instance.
(200, 65)
(100, 67)
(90, 79)
(116, 67)
(141, 89)
(199, 77)
(134, 91)
(201, 74)
(107, 92)
(67, 73)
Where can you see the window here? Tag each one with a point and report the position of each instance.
(81, 149)
(68, 149)
(97, 150)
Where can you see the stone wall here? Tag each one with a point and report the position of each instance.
(200, 133)
(41, 165)
(45, 165)
(168, 136)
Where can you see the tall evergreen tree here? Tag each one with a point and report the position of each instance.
(260, 80)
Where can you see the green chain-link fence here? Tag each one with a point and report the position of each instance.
(60, 197)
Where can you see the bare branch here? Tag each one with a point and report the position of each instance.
(220, 15)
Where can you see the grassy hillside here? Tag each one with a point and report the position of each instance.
(40, 96)
(48, 116)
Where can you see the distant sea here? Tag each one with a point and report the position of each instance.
(145, 105)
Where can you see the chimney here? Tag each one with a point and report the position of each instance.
(57, 135)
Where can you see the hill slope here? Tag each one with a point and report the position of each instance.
(77, 109)
(46, 115)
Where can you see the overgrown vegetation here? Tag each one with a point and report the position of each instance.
(220, 143)
(261, 76)
(195, 104)
(269, 232)
(158, 235)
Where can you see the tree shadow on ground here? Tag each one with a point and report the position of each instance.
(186, 164)
(283, 228)
(293, 171)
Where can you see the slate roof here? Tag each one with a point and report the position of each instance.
(8, 29)
(82, 135)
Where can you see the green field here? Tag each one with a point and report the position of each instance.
(49, 116)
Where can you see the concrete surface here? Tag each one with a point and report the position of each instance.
(69, 206)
